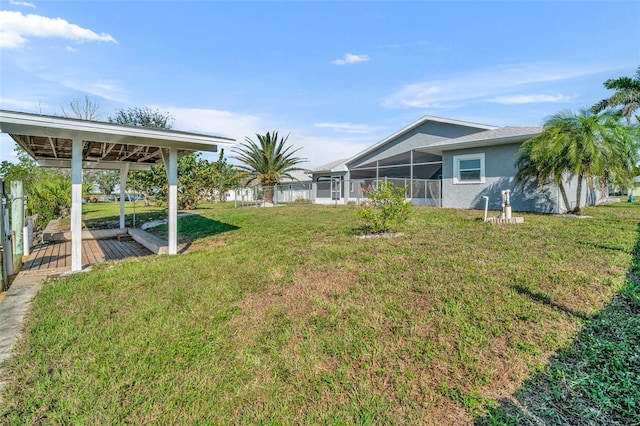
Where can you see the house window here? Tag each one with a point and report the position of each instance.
(468, 168)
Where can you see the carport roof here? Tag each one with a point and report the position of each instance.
(48, 139)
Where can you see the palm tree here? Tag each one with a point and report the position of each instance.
(627, 94)
(536, 161)
(597, 148)
(267, 161)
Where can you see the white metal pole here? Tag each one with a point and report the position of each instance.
(410, 174)
(76, 205)
(123, 185)
(173, 200)
(17, 223)
(486, 207)
(5, 263)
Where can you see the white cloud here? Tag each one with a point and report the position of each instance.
(215, 122)
(485, 85)
(71, 49)
(23, 105)
(106, 89)
(348, 127)
(16, 29)
(321, 150)
(350, 58)
(318, 150)
(22, 3)
(531, 99)
(6, 149)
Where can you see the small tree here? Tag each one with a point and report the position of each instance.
(106, 180)
(387, 208)
(142, 117)
(225, 177)
(195, 180)
(82, 108)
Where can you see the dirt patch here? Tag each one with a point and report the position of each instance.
(298, 299)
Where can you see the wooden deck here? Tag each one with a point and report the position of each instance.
(57, 256)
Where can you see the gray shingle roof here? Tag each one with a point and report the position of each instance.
(331, 166)
(298, 176)
(416, 124)
(489, 137)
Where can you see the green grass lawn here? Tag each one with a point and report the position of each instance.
(284, 316)
(107, 215)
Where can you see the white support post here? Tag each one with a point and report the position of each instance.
(410, 176)
(17, 223)
(172, 174)
(123, 185)
(5, 263)
(76, 205)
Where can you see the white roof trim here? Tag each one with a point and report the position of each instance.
(14, 122)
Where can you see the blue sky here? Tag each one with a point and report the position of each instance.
(337, 76)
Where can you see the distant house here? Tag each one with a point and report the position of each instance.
(298, 189)
(447, 163)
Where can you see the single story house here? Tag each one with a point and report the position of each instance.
(296, 190)
(446, 163)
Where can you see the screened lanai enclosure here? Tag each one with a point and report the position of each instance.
(419, 173)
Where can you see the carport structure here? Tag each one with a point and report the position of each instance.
(80, 144)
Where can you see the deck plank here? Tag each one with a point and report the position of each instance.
(51, 251)
(93, 256)
(61, 260)
(39, 255)
(107, 250)
(123, 248)
(101, 256)
(42, 255)
(85, 261)
(33, 257)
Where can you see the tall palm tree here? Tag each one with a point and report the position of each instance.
(267, 161)
(627, 95)
(596, 148)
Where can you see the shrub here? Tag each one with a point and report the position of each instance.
(387, 208)
(50, 198)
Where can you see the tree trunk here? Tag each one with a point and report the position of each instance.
(578, 209)
(268, 194)
(565, 199)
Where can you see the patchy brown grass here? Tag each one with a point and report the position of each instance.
(284, 316)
